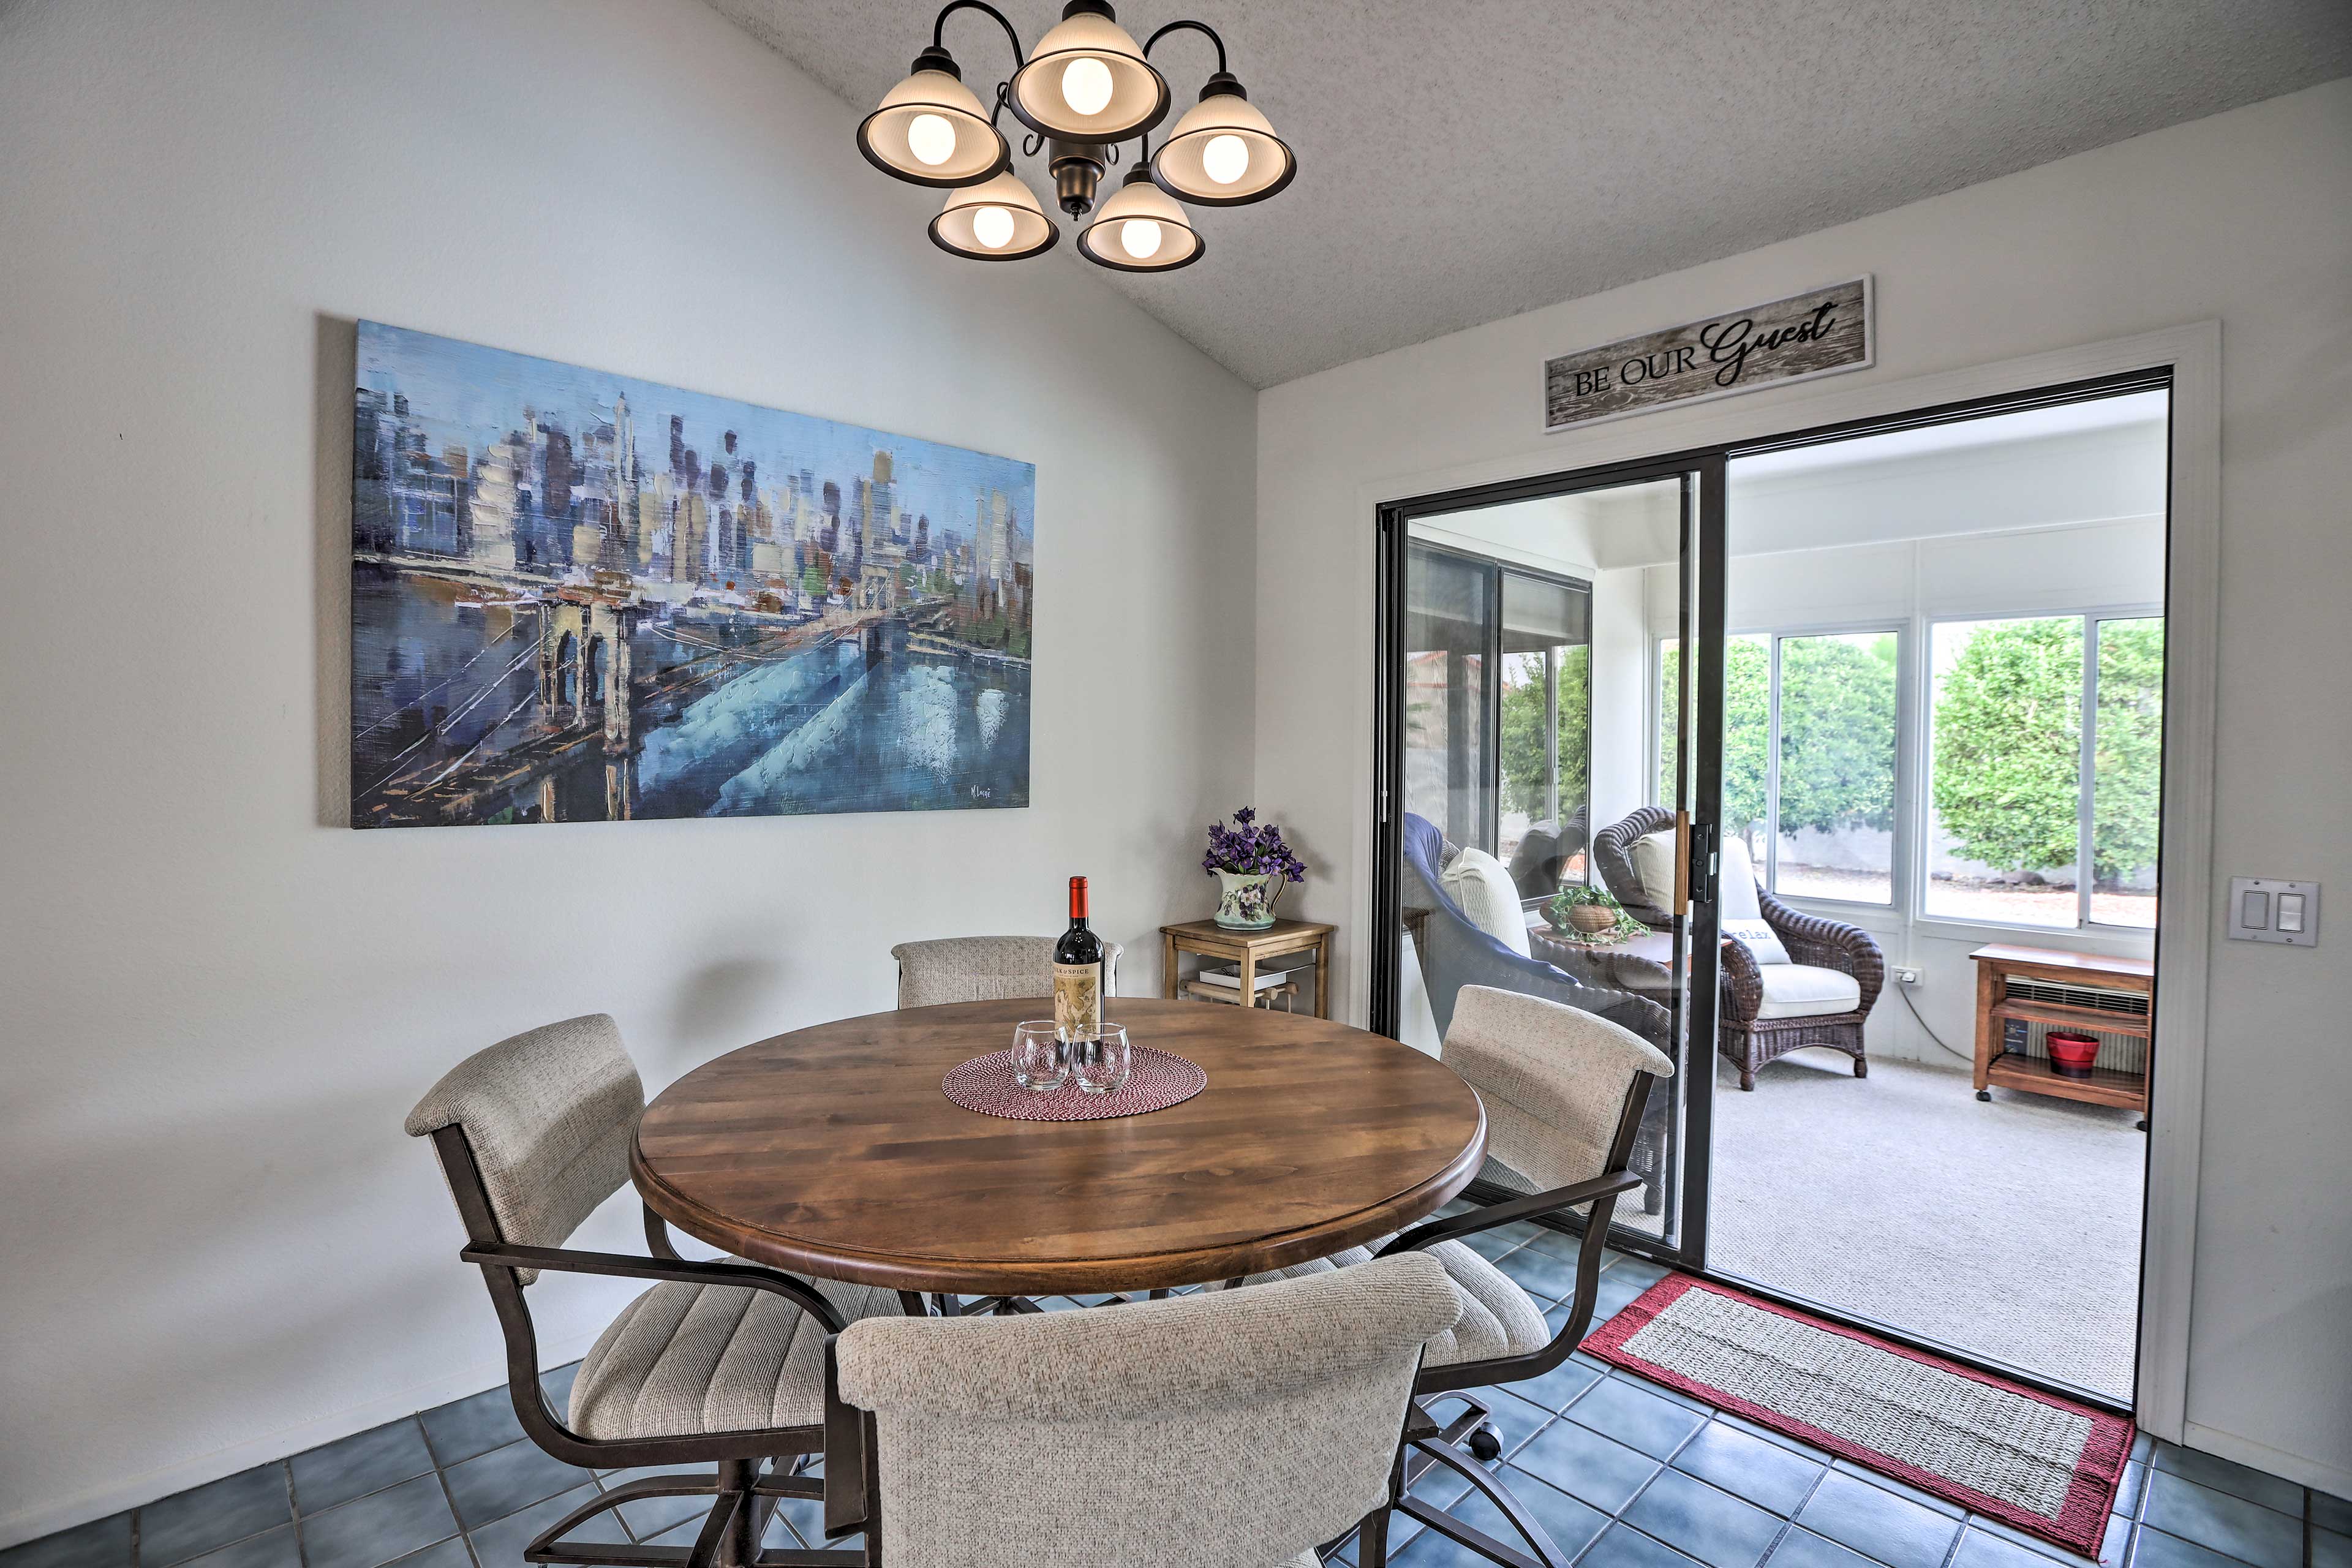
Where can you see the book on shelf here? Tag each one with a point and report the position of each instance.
(1270, 973)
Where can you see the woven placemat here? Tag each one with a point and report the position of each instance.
(1159, 1080)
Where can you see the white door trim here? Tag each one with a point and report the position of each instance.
(2186, 917)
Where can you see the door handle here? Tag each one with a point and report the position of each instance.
(1681, 861)
(1704, 841)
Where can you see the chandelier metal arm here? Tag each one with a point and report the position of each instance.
(1201, 28)
(938, 27)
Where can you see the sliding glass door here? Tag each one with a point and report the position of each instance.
(1515, 799)
(1497, 719)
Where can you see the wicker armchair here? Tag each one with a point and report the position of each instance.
(1544, 853)
(1746, 1038)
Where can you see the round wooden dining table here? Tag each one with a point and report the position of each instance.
(831, 1151)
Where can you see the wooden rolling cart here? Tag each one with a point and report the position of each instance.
(1207, 939)
(1997, 964)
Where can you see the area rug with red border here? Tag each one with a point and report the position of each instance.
(2039, 1463)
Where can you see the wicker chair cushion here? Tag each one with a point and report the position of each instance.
(1737, 873)
(1481, 889)
(1803, 991)
(1498, 1318)
(1654, 863)
(684, 1360)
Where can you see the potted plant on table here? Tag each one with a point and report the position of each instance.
(1582, 913)
(1253, 865)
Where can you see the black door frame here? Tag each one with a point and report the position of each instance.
(1709, 550)
(1701, 474)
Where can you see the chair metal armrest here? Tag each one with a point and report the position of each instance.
(1455, 1226)
(683, 1271)
(850, 1491)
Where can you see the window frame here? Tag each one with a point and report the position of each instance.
(1900, 831)
(1491, 698)
(2087, 779)
(1906, 771)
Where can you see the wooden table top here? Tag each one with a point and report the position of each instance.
(831, 1151)
(1282, 933)
(2011, 954)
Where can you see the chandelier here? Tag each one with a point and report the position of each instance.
(1084, 90)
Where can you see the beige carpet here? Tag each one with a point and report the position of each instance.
(2009, 1231)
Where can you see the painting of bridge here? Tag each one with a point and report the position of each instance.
(580, 596)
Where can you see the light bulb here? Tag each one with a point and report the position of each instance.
(1085, 85)
(1226, 159)
(1140, 236)
(932, 140)
(992, 226)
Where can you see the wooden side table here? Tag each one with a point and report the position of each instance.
(1997, 1065)
(1207, 939)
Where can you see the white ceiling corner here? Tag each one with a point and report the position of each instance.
(1464, 162)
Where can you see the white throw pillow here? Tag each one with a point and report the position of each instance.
(1743, 912)
(1653, 864)
(1482, 888)
(1739, 882)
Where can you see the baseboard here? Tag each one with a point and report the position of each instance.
(2312, 1473)
(32, 1523)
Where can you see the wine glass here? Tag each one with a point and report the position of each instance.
(1041, 1058)
(1103, 1062)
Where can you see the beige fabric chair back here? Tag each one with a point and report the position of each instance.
(1553, 1079)
(549, 1116)
(985, 969)
(1235, 1428)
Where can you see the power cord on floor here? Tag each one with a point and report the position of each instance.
(1967, 1057)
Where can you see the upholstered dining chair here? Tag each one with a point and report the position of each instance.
(985, 969)
(1115, 1435)
(1564, 1092)
(719, 1364)
(1790, 979)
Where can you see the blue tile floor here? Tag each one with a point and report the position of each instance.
(1623, 1473)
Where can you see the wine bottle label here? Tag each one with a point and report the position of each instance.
(1078, 1000)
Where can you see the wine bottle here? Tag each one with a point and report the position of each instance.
(1078, 974)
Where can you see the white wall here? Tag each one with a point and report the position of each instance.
(219, 1004)
(2245, 217)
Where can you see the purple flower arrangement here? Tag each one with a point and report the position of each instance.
(1251, 847)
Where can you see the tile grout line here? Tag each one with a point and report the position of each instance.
(294, 1514)
(442, 1478)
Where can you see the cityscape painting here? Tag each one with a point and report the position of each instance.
(578, 596)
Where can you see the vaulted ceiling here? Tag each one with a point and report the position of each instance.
(1466, 160)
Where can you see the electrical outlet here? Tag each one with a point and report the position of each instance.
(1906, 977)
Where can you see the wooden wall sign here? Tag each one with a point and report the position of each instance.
(1819, 332)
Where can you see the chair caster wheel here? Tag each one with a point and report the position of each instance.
(1985, 1095)
(1486, 1445)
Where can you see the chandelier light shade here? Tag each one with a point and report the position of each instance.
(1086, 89)
(1223, 153)
(1142, 229)
(931, 130)
(998, 220)
(1087, 81)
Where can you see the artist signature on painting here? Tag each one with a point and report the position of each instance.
(980, 793)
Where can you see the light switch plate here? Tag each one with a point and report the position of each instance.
(2264, 909)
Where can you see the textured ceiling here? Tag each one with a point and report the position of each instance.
(1466, 160)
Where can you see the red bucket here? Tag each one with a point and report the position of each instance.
(2071, 1053)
